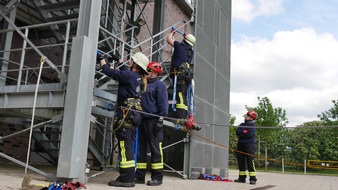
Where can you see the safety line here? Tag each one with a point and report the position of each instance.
(253, 155)
(232, 149)
(42, 61)
(224, 125)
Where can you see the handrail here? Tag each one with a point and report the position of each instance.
(38, 25)
(62, 76)
(150, 39)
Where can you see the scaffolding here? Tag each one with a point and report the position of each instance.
(47, 52)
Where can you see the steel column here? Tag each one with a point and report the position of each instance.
(77, 115)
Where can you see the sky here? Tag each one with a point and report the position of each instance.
(286, 50)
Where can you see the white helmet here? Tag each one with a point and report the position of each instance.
(141, 60)
(190, 39)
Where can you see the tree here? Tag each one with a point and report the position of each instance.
(232, 138)
(232, 120)
(304, 144)
(328, 136)
(268, 116)
(330, 117)
(315, 140)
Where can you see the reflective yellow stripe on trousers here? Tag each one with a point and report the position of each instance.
(157, 166)
(181, 104)
(124, 163)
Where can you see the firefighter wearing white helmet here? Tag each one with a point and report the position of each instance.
(141, 60)
(181, 68)
(190, 39)
(124, 124)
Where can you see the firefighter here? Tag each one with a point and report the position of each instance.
(132, 82)
(155, 105)
(181, 67)
(246, 144)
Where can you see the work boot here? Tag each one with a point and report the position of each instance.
(139, 181)
(239, 180)
(154, 182)
(121, 184)
(253, 182)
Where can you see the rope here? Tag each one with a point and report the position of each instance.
(191, 132)
(253, 155)
(123, 118)
(42, 61)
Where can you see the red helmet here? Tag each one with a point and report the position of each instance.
(156, 67)
(252, 114)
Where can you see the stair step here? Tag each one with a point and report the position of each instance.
(65, 17)
(54, 7)
(53, 149)
(50, 141)
(48, 132)
(64, 29)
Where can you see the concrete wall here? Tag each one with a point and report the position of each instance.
(212, 29)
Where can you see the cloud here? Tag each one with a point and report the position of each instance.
(297, 70)
(248, 10)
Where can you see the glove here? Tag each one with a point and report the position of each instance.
(116, 57)
(172, 30)
(159, 124)
(99, 56)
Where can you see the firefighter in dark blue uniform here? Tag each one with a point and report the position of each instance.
(246, 144)
(132, 82)
(181, 66)
(155, 105)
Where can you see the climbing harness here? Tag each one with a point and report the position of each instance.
(191, 102)
(135, 146)
(128, 119)
(174, 93)
(184, 72)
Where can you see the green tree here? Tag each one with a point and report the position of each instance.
(315, 140)
(232, 140)
(304, 144)
(329, 136)
(330, 117)
(232, 120)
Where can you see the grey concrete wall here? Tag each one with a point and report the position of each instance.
(212, 30)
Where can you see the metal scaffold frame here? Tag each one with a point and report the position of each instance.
(64, 96)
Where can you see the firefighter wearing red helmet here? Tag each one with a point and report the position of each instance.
(156, 68)
(155, 102)
(246, 144)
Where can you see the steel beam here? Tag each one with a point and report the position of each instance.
(77, 113)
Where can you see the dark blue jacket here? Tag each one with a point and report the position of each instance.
(128, 80)
(246, 134)
(155, 99)
(180, 55)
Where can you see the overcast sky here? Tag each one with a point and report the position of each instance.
(286, 50)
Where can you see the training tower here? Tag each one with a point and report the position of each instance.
(52, 96)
